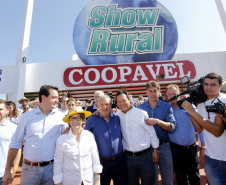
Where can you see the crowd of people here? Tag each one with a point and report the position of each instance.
(67, 144)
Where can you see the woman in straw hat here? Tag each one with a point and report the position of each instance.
(76, 159)
(35, 103)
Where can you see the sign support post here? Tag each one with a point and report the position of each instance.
(22, 53)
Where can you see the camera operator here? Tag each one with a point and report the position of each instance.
(214, 129)
(182, 141)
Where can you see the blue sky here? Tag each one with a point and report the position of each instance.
(199, 26)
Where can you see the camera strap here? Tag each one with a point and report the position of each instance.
(211, 104)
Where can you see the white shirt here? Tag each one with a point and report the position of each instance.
(215, 146)
(76, 162)
(39, 132)
(137, 135)
(7, 130)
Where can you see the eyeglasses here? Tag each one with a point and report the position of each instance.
(79, 118)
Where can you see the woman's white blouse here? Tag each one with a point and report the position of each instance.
(76, 162)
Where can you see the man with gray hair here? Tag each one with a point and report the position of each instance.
(93, 108)
(106, 128)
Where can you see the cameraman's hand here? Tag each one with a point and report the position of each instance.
(188, 107)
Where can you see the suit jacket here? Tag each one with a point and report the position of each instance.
(90, 108)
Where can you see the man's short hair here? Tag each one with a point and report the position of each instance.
(101, 92)
(152, 84)
(214, 76)
(104, 97)
(3, 102)
(123, 92)
(45, 90)
(172, 86)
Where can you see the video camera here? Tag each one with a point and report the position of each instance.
(195, 91)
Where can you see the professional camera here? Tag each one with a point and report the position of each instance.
(218, 107)
(195, 91)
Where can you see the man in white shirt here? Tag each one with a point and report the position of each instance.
(7, 130)
(137, 139)
(39, 129)
(214, 133)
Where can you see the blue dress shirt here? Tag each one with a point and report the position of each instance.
(107, 135)
(185, 133)
(164, 112)
(39, 133)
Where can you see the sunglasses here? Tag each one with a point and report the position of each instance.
(10, 103)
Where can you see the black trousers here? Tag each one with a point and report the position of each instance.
(186, 164)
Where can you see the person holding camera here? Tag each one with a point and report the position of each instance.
(182, 141)
(214, 129)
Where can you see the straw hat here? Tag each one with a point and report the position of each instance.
(76, 110)
(34, 101)
(24, 98)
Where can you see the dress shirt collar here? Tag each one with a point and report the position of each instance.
(129, 110)
(111, 114)
(71, 135)
(94, 106)
(159, 103)
(38, 110)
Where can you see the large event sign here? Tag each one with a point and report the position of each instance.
(125, 74)
(128, 31)
(125, 33)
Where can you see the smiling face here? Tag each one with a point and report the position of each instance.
(52, 100)
(76, 121)
(105, 106)
(10, 108)
(123, 103)
(71, 104)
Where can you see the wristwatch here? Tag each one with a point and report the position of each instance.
(203, 147)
